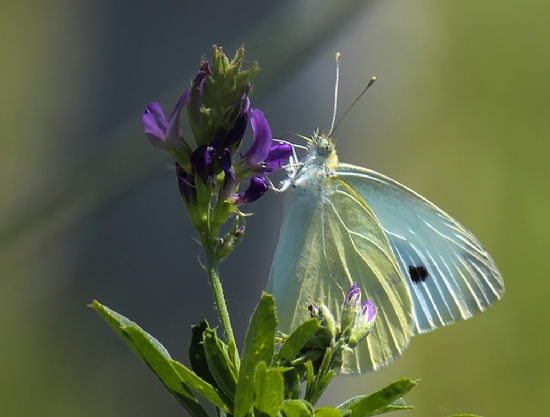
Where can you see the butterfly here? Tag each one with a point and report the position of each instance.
(343, 224)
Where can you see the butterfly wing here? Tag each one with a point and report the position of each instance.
(329, 240)
(450, 275)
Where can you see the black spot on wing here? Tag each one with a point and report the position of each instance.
(418, 273)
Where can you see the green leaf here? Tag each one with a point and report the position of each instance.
(234, 360)
(203, 387)
(297, 340)
(219, 364)
(396, 405)
(327, 412)
(322, 385)
(293, 384)
(197, 356)
(346, 405)
(310, 376)
(259, 345)
(324, 375)
(297, 408)
(154, 355)
(268, 391)
(379, 401)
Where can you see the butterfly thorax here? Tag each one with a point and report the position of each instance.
(318, 163)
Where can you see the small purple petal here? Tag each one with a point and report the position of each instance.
(354, 295)
(246, 104)
(154, 111)
(229, 181)
(262, 138)
(205, 67)
(239, 113)
(202, 161)
(239, 108)
(314, 310)
(258, 187)
(197, 97)
(225, 160)
(237, 131)
(368, 310)
(219, 140)
(173, 131)
(277, 157)
(182, 102)
(198, 82)
(155, 124)
(185, 182)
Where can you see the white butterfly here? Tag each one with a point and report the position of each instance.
(344, 224)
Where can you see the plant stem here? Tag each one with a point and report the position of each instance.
(213, 274)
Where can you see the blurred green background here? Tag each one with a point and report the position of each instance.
(89, 209)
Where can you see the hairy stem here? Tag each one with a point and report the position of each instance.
(213, 274)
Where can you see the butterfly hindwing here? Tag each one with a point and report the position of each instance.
(449, 273)
(330, 239)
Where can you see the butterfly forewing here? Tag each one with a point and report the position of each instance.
(449, 273)
(330, 239)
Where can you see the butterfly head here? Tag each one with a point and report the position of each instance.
(322, 149)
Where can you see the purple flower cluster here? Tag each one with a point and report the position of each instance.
(217, 145)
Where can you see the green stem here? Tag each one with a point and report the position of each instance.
(213, 274)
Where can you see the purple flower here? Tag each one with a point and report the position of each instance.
(265, 153)
(354, 296)
(224, 138)
(262, 139)
(236, 133)
(277, 157)
(258, 186)
(202, 161)
(229, 181)
(186, 183)
(368, 311)
(350, 309)
(241, 117)
(197, 97)
(363, 324)
(205, 67)
(240, 108)
(164, 133)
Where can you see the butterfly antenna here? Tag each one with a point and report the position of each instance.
(371, 82)
(332, 128)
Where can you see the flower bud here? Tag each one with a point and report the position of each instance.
(230, 241)
(350, 309)
(363, 324)
(258, 186)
